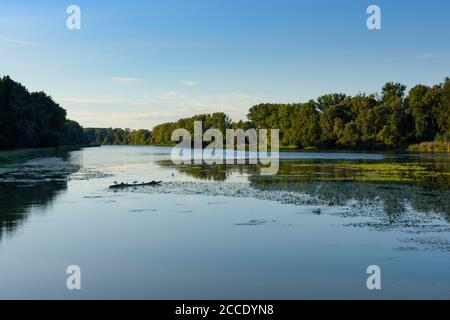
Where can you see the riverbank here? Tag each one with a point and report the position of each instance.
(20, 155)
(443, 147)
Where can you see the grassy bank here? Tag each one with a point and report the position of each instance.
(434, 146)
(20, 155)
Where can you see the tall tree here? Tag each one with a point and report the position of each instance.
(29, 120)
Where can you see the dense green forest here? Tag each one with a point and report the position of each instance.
(110, 136)
(390, 120)
(33, 120)
(161, 134)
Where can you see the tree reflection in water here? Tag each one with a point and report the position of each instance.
(393, 184)
(33, 184)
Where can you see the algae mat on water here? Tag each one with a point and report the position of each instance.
(396, 172)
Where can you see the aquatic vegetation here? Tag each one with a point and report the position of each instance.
(37, 171)
(251, 223)
(394, 172)
(377, 207)
(423, 172)
(88, 174)
(142, 210)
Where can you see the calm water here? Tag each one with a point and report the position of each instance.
(225, 232)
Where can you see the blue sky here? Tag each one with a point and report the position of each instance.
(138, 63)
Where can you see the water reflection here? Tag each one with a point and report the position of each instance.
(428, 173)
(33, 184)
(17, 201)
(395, 199)
(392, 189)
(315, 213)
(391, 186)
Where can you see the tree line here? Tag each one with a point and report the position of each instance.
(161, 134)
(117, 136)
(389, 120)
(33, 120)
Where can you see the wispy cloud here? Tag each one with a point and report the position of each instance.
(18, 41)
(126, 80)
(122, 118)
(150, 110)
(95, 101)
(190, 83)
(428, 56)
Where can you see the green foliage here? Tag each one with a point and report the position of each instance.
(390, 120)
(31, 120)
(161, 134)
(110, 136)
(435, 146)
(72, 134)
(442, 112)
(421, 102)
(329, 100)
(362, 122)
(298, 123)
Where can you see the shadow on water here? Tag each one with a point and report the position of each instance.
(32, 184)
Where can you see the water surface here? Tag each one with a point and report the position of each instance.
(225, 232)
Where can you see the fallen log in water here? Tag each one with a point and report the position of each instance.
(126, 185)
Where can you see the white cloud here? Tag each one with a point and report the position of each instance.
(126, 80)
(190, 83)
(17, 41)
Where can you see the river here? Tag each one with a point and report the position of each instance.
(225, 232)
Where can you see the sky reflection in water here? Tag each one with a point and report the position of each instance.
(225, 231)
